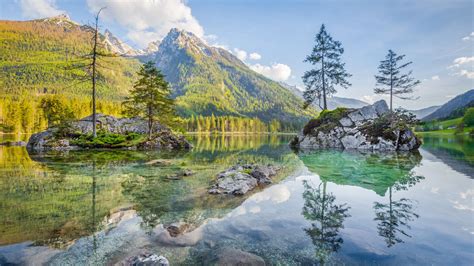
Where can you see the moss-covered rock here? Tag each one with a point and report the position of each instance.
(112, 133)
(371, 127)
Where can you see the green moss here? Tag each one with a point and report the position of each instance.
(108, 140)
(326, 121)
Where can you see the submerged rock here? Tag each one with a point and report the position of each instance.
(240, 179)
(54, 139)
(146, 259)
(231, 256)
(368, 128)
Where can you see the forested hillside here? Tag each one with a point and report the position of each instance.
(48, 58)
(209, 80)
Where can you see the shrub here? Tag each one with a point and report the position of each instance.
(468, 118)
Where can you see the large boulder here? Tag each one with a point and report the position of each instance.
(371, 127)
(55, 139)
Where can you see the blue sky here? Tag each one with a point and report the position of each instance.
(436, 35)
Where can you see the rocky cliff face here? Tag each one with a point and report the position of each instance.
(371, 127)
(52, 140)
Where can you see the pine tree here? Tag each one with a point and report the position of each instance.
(150, 98)
(390, 79)
(328, 72)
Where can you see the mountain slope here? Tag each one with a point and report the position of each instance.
(40, 56)
(446, 109)
(209, 80)
(421, 113)
(333, 102)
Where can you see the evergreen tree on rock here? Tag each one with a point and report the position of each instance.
(328, 70)
(392, 81)
(150, 98)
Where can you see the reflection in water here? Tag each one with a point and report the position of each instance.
(98, 208)
(376, 171)
(455, 151)
(393, 217)
(326, 218)
(54, 199)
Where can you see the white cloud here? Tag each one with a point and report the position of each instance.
(462, 60)
(277, 71)
(39, 8)
(469, 37)
(241, 54)
(436, 77)
(255, 56)
(466, 73)
(148, 20)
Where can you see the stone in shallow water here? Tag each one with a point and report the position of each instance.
(240, 179)
(232, 256)
(146, 259)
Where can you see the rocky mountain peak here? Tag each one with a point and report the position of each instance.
(117, 46)
(179, 39)
(62, 19)
(152, 47)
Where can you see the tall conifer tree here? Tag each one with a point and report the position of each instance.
(328, 69)
(390, 79)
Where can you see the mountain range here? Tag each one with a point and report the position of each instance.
(332, 102)
(446, 110)
(40, 56)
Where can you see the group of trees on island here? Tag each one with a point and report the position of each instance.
(329, 71)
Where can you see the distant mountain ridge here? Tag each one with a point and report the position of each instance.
(421, 113)
(332, 102)
(452, 105)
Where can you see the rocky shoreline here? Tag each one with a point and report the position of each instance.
(372, 127)
(69, 137)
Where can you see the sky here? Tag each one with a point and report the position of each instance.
(273, 37)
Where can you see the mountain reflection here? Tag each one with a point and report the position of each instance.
(326, 218)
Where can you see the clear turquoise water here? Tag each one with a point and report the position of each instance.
(329, 207)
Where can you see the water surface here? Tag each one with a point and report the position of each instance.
(324, 207)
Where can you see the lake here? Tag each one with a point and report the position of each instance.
(324, 207)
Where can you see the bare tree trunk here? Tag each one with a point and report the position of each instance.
(150, 123)
(94, 73)
(391, 82)
(325, 107)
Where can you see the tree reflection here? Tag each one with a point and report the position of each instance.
(326, 218)
(393, 217)
(383, 173)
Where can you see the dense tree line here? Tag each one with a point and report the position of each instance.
(233, 124)
(28, 113)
